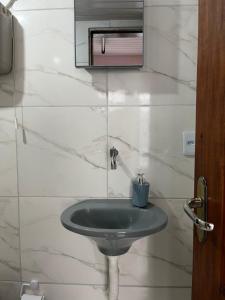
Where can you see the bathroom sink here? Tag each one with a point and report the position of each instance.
(114, 224)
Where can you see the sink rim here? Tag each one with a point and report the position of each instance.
(116, 233)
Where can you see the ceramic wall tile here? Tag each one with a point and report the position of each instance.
(8, 168)
(147, 88)
(41, 4)
(169, 73)
(170, 2)
(171, 45)
(45, 73)
(163, 259)
(9, 291)
(133, 293)
(62, 151)
(71, 292)
(52, 4)
(149, 139)
(9, 240)
(4, 2)
(56, 255)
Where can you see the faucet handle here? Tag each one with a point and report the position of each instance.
(111, 151)
(116, 152)
(113, 154)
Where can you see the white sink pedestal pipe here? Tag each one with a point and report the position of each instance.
(113, 288)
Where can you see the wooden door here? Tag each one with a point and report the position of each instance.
(209, 257)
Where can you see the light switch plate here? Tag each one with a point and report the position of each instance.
(189, 143)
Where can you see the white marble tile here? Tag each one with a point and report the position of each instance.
(8, 171)
(4, 2)
(53, 4)
(71, 292)
(169, 74)
(51, 253)
(6, 90)
(147, 88)
(165, 258)
(171, 45)
(170, 2)
(9, 291)
(45, 65)
(134, 293)
(149, 139)
(9, 240)
(64, 153)
(40, 4)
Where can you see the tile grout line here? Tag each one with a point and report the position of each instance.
(17, 162)
(18, 206)
(72, 7)
(88, 197)
(103, 105)
(101, 285)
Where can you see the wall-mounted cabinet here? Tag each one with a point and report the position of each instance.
(109, 33)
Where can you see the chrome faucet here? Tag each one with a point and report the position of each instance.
(113, 154)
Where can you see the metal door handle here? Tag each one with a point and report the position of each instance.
(197, 203)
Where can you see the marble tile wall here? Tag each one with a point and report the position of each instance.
(67, 119)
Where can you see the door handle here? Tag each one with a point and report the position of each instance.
(200, 215)
(188, 208)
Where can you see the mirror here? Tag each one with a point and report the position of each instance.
(109, 33)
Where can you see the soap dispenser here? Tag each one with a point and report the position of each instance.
(140, 191)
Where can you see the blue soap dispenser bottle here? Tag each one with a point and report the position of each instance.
(140, 191)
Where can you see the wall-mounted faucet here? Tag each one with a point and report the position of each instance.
(113, 154)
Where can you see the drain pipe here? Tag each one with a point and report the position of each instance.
(113, 278)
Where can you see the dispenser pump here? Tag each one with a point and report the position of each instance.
(140, 191)
(141, 178)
